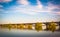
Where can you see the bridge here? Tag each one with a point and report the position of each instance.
(31, 26)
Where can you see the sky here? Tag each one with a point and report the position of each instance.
(29, 11)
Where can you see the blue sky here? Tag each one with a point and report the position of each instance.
(29, 11)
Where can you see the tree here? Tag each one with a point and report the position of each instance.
(38, 26)
(21, 26)
(52, 26)
(30, 26)
(9, 26)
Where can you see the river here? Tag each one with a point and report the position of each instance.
(27, 33)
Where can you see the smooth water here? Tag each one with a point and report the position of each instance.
(27, 33)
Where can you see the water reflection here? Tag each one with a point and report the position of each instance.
(27, 33)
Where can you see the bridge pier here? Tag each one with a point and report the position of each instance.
(46, 26)
(59, 26)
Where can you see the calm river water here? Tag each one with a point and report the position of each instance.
(27, 33)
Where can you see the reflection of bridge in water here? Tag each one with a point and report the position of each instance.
(29, 26)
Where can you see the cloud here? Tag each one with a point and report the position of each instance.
(53, 8)
(33, 10)
(58, 13)
(37, 12)
(1, 8)
(23, 2)
(0, 0)
(39, 4)
(5, 0)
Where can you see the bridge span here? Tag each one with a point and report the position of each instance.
(34, 26)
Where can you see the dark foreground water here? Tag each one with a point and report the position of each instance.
(28, 33)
